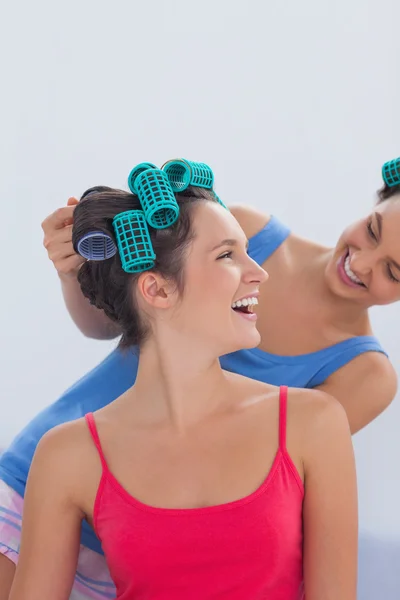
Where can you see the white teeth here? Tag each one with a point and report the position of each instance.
(350, 273)
(251, 301)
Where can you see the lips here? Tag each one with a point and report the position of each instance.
(245, 305)
(249, 316)
(346, 274)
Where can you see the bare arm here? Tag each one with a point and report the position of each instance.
(50, 526)
(57, 229)
(330, 506)
(7, 571)
(365, 387)
(250, 219)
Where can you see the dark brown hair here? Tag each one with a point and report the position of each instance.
(105, 283)
(386, 192)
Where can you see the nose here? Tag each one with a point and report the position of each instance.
(255, 273)
(361, 262)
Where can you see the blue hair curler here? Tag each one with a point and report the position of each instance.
(96, 245)
(134, 174)
(391, 172)
(182, 173)
(133, 240)
(157, 198)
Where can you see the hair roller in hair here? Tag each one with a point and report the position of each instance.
(182, 173)
(157, 198)
(134, 174)
(391, 172)
(96, 245)
(133, 240)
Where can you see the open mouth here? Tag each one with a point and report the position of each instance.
(245, 306)
(347, 275)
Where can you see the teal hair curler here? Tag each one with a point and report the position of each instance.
(391, 172)
(182, 173)
(134, 174)
(157, 198)
(133, 240)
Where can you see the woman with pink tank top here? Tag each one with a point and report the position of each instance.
(200, 483)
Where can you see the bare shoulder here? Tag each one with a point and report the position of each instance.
(250, 219)
(68, 438)
(365, 387)
(314, 417)
(369, 366)
(375, 371)
(311, 401)
(377, 365)
(242, 388)
(64, 456)
(307, 409)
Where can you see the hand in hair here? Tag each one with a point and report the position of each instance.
(57, 229)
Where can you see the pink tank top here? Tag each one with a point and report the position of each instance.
(249, 549)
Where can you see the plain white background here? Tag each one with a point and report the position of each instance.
(293, 104)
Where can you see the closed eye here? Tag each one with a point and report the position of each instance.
(374, 237)
(371, 232)
(390, 275)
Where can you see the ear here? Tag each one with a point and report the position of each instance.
(155, 290)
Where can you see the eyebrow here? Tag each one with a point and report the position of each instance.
(378, 217)
(229, 242)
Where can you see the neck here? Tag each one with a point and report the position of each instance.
(178, 381)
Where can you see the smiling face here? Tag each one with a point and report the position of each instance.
(221, 284)
(365, 266)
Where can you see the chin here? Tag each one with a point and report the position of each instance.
(251, 340)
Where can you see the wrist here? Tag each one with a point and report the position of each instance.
(68, 278)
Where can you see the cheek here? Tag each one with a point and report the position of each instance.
(385, 291)
(202, 291)
(227, 280)
(211, 286)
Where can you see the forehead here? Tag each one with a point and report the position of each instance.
(212, 223)
(390, 213)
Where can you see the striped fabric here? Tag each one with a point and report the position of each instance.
(92, 580)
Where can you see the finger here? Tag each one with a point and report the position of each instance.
(72, 201)
(61, 251)
(70, 265)
(58, 219)
(60, 236)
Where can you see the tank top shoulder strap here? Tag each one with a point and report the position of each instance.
(264, 243)
(95, 437)
(329, 360)
(283, 392)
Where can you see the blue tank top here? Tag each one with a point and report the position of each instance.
(118, 371)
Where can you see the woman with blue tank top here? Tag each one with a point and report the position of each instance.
(315, 333)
